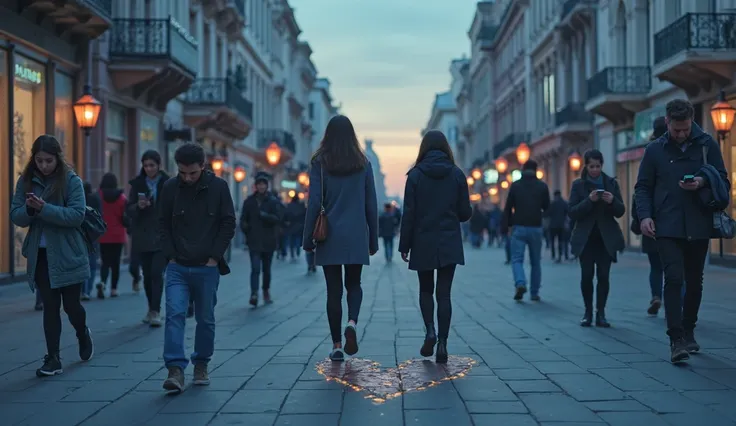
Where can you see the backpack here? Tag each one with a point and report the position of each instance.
(93, 226)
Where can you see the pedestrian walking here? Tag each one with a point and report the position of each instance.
(341, 225)
(682, 181)
(260, 221)
(196, 225)
(595, 204)
(49, 201)
(436, 201)
(557, 216)
(478, 224)
(92, 199)
(294, 219)
(143, 210)
(526, 202)
(387, 225)
(114, 205)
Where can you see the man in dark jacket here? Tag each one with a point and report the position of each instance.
(669, 208)
(387, 226)
(294, 225)
(526, 202)
(196, 225)
(557, 214)
(260, 220)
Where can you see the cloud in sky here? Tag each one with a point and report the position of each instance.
(386, 59)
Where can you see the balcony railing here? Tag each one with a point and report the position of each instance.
(283, 139)
(708, 31)
(219, 92)
(102, 7)
(510, 141)
(154, 39)
(621, 81)
(573, 113)
(240, 6)
(567, 7)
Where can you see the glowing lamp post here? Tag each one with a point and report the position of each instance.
(239, 174)
(501, 165)
(523, 153)
(470, 181)
(217, 165)
(722, 114)
(476, 174)
(303, 179)
(273, 154)
(575, 161)
(493, 190)
(540, 174)
(505, 184)
(87, 111)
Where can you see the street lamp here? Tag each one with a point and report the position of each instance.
(501, 165)
(292, 193)
(217, 164)
(575, 161)
(303, 178)
(476, 173)
(540, 174)
(722, 114)
(505, 184)
(493, 190)
(87, 111)
(239, 174)
(523, 153)
(470, 181)
(273, 154)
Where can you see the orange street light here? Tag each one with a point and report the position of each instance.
(722, 114)
(470, 181)
(303, 178)
(505, 184)
(501, 165)
(239, 174)
(540, 174)
(523, 153)
(273, 154)
(477, 174)
(575, 161)
(87, 111)
(217, 164)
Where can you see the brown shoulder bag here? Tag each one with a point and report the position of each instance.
(320, 225)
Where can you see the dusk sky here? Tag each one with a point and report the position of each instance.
(386, 59)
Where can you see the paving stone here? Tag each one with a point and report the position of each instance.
(633, 418)
(496, 407)
(275, 376)
(532, 386)
(504, 419)
(197, 400)
(678, 378)
(62, 413)
(454, 416)
(588, 362)
(313, 402)
(667, 402)
(102, 390)
(558, 367)
(519, 374)
(255, 401)
(557, 408)
(439, 397)
(189, 419)
(243, 419)
(483, 388)
(308, 420)
(616, 406)
(629, 379)
(587, 387)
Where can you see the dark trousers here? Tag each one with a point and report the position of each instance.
(428, 291)
(595, 261)
(295, 244)
(682, 261)
(53, 298)
(559, 236)
(655, 274)
(260, 262)
(507, 247)
(134, 266)
(110, 256)
(334, 280)
(153, 264)
(388, 247)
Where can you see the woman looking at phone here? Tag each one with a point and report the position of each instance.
(595, 204)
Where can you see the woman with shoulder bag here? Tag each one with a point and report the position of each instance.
(595, 204)
(436, 201)
(49, 201)
(341, 225)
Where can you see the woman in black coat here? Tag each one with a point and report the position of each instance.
(595, 203)
(436, 201)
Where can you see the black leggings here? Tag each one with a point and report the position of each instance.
(444, 305)
(110, 256)
(595, 260)
(153, 264)
(333, 277)
(52, 301)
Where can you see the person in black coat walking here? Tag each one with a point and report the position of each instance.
(294, 225)
(557, 215)
(595, 204)
(260, 219)
(436, 201)
(387, 224)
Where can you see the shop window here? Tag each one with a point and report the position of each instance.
(114, 158)
(29, 122)
(5, 247)
(64, 117)
(148, 134)
(115, 123)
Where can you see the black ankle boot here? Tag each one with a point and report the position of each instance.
(587, 318)
(600, 319)
(429, 341)
(441, 356)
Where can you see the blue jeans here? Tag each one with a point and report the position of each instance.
(200, 282)
(310, 259)
(260, 261)
(521, 237)
(90, 284)
(295, 243)
(388, 246)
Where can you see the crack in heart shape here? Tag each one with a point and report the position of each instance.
(382, 384)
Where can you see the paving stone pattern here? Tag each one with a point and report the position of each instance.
(535, 365)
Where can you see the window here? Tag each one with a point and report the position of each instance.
(64, 117)
(115, 123)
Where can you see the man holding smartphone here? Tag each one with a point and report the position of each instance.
(670, 211)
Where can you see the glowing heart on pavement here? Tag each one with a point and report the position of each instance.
(382, 384)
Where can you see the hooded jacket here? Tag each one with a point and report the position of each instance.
(436, 201)
(114, 204)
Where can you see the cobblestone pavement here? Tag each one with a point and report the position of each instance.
(534, 364)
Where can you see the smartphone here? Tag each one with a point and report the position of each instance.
(688, 178)
(600, 191)
(142, 196)
(30, 195)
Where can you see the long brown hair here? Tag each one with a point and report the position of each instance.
(434, 140)
(51, 146)
(339, 152)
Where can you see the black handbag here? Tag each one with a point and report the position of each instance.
(724, 227)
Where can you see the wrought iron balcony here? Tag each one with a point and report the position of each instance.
(239, 6)
(154, 39)
(283, 139)
(573, 113)
(219, 92)
(620, 80)
(567, 7)
(89, 18)
(706, 31)
(511, 140)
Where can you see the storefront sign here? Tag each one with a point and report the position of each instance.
(643, 123)
(288, 184)
(27, 74)
(630, 155)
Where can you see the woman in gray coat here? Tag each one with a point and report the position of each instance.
(49, 200)
(341, 182)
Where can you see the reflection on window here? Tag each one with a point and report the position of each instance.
(64, 115)
(29, 122)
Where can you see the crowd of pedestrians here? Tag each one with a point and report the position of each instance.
(179, 230)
